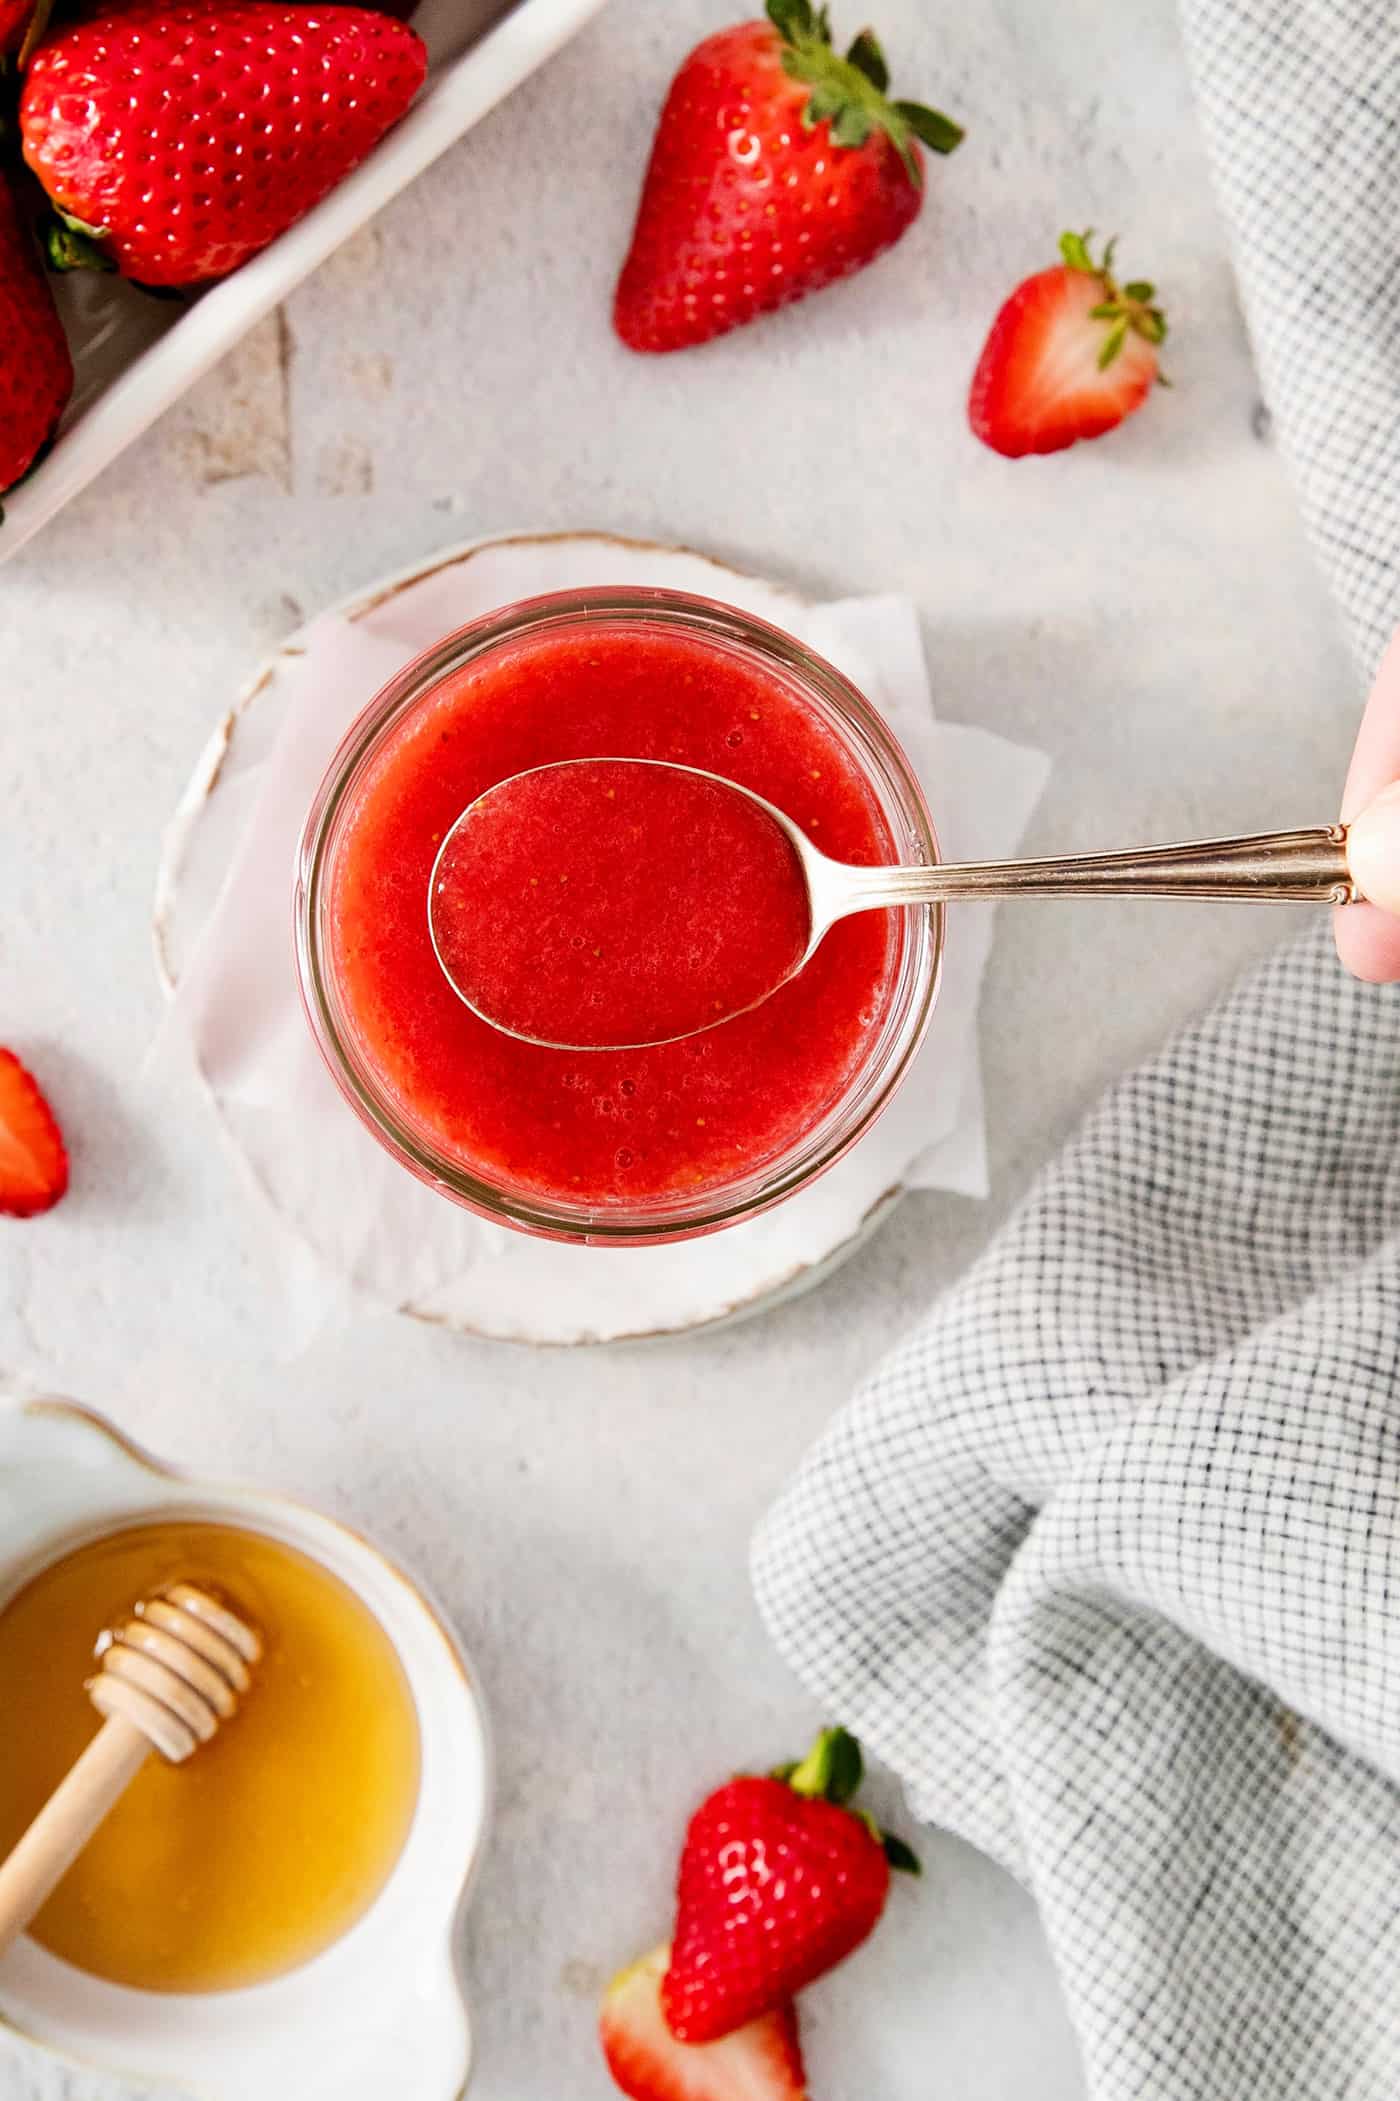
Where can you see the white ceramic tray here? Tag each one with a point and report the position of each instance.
(134, 355)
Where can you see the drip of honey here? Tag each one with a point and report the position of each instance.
(270, 1840)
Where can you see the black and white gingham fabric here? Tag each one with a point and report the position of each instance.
(1300, 103)
(1104, 1561)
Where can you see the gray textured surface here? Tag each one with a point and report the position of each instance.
(1145, 609)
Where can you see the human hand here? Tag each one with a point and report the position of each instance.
(1368, 936)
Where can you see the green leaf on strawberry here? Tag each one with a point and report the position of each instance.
(797, 18)
(65, 248)
(867, 57)
(901, 1857)
(849, 92)
(939, 133)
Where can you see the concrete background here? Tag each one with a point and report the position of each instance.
(1145, 609)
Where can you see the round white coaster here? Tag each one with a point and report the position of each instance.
(516, 1288)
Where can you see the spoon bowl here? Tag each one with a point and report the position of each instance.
(618, 904)
(554, 919)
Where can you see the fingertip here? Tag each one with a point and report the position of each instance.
(1368, 943)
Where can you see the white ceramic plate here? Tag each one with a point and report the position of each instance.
(382, 2011)
(521, 1289)
(134, 355)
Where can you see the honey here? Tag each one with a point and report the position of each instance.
(274, 1837)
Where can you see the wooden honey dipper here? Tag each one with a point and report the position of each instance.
(166, 1678)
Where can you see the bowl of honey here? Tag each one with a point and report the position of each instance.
(279, 1915)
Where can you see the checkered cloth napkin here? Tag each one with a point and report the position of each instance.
(1105, 1559)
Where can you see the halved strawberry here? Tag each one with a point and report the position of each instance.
(762, 2062)
(1069, 356)
(33, 1159)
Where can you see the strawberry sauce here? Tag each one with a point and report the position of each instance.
(606, 902)
(603, 1126)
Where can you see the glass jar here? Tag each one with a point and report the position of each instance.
(751, 1187)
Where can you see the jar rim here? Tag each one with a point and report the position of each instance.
(647, 1221)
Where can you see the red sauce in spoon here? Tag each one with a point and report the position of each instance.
(606, 903)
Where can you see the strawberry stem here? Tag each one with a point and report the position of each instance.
(849, 93)
(833, 1768)
(832, 1771)
(1130, 310)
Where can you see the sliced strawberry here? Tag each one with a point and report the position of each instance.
(1069, 356)
(33, 1159)
(762, 2062)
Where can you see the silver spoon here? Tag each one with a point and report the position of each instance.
(1297, 867)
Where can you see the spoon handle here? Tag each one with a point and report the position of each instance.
(1304, 867)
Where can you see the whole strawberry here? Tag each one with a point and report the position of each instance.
(36, 371)
(1069, 356)
(185, 137)
(779, 1881)
(779, 166)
